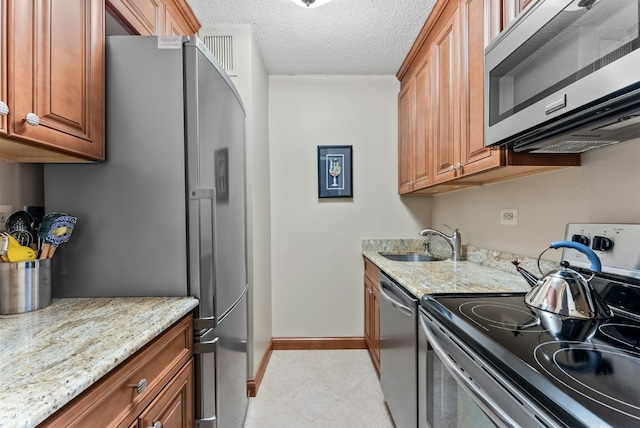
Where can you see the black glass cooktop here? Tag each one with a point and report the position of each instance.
(592, 366)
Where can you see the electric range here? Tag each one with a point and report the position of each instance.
(588, 380)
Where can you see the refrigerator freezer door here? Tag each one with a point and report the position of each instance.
(215, 160)
(221, 371)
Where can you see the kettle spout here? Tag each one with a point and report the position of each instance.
(531, 278)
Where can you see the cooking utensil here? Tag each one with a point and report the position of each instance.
(59, 233)
(19, 225)
(16, 252)
(565, 292)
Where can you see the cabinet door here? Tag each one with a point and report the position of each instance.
(513, 8)
(422, 147)
(446, 142)
(3, 66)
(143, 17)
(476, 33)
(367, 312)
(375, 327)
(406, 129)
(173, 407)
(58, 74)
(173, 25)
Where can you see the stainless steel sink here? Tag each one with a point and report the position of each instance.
(410, 257)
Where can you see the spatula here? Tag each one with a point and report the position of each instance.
(59, 233)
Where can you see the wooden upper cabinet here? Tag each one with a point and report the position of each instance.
(406, 129)
(511, 9)
(443, 136)
(154, 17)
(445, 53)
(143, 17)
(56, 80)
(424, 112)
(3, 68)
(477, 30)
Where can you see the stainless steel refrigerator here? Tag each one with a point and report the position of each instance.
(165, 214)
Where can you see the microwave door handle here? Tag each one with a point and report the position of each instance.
(471, 387)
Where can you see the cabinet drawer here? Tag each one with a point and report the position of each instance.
(114, 400)
(371, 272)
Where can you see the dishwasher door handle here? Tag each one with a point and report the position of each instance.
(405, 310)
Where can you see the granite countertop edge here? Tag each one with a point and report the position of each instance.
(50, 356)
(480, 271)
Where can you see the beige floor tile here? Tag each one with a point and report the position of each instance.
(330, 389)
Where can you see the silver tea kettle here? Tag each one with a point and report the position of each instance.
(565, 292)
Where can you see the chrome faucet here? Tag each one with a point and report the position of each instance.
(455, 240)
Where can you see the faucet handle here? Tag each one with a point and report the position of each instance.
(450, 228)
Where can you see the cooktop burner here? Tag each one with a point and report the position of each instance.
(488, 314)
(575, 364)
(624, 334)
(598, 373)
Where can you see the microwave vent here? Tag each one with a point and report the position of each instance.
(569, 146)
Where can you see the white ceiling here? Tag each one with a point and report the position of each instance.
(359, 37)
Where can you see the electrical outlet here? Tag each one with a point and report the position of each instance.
(5, 210)
(509, 216)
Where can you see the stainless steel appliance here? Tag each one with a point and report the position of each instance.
(562, 77)
(165, 214)
(502, 358)
(398, 352)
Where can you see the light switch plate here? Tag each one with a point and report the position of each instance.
(509, 216)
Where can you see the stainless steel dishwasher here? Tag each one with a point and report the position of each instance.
(398, 352)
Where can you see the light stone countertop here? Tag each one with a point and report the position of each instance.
(49, 356)
(480, 270)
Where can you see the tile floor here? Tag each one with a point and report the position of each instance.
(336, 388)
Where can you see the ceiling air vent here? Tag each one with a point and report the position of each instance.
(221, 46)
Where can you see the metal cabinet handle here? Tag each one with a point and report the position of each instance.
(458, 165)
(4, 108)
(140, 386)
(32, 119)
(157, 424)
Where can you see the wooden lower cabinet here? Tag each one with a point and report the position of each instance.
(173, 407)
(372, 311)
(155, 383)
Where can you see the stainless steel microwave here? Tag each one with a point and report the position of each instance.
(564, 77)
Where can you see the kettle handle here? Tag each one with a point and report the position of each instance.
(596, 266)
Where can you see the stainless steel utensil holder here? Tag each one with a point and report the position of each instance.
(25, 286)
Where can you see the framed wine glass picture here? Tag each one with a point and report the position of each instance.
(335, 178)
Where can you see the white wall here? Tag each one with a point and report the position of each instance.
(316, 257)
(603, 190)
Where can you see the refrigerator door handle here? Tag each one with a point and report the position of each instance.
(210, 194)
(204, 323)
(206, 423)
(208, 347)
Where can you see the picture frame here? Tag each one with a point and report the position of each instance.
(335, 175)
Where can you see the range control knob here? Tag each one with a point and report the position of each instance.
(602, 243)
(581, 239)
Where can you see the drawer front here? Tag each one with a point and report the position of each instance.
(371, 272)
(115, 400)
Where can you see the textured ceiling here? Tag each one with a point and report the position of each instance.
(342, 37)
